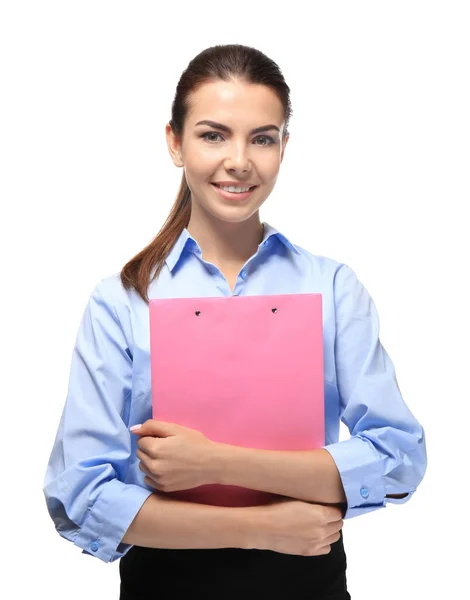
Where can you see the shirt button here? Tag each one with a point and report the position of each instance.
(243, 274)
(364, 492)
(94, 547)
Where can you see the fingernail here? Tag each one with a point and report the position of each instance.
(134, 427)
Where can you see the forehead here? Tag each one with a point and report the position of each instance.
(237, 102)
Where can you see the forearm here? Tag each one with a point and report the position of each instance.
(309, 475)
(166, 523)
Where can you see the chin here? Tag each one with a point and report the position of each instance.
(231, 216)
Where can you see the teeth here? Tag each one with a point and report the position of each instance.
(232, 188)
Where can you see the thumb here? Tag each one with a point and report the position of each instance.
(154, 428)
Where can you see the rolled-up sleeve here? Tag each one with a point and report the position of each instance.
(386, 453)
(85, 489)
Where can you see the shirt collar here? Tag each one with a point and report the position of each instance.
(270, 231)
(186, 242)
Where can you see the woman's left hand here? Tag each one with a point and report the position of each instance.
(174, 457)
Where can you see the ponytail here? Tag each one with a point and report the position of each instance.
(137, 272)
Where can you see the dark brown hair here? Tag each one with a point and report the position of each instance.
(224, 63)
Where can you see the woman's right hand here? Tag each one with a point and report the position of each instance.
(296, 527)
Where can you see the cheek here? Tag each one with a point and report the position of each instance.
(202, 164)
(269, 166)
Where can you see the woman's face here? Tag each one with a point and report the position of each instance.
(228, 150)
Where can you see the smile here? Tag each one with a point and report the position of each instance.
(227, 192)
(233, 188)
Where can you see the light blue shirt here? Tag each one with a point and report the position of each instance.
(93, 485)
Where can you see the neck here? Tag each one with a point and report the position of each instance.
(225, 243)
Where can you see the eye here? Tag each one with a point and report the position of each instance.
(207, 136)
(208, 133)
(269, 140)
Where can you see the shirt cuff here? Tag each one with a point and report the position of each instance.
(359, 466)
(399, 500)
(109, 518)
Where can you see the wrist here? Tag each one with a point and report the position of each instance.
(255, 527)
(218, 464)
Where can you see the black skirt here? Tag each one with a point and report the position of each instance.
(226, 573)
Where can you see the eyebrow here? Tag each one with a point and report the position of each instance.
(228, 130)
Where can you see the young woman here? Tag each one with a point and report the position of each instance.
(228, 132)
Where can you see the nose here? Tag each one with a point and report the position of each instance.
(237, 159)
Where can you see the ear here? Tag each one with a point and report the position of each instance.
(284, 144)
(174, 146)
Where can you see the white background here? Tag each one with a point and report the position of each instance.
(376, 174)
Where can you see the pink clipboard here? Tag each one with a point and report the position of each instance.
(245, 371)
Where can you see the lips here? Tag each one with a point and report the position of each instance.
(236, 197)
(233, 185)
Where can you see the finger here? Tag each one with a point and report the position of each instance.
(154, 428)
(332, 539)
(149, 445)
(150, 477)
(144, 457)
(332, 513)
(334, 527)
(144, 469)
(151, 482)
(148, 472)
(323, 550)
